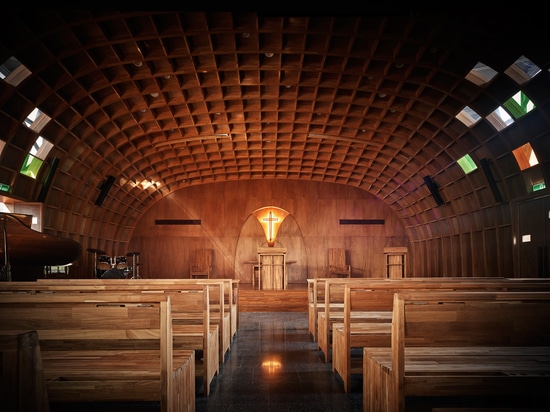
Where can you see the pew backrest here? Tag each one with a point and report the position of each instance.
(466, 319)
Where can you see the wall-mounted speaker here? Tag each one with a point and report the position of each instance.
(104, 189)
(48, 180)
(491, 180)
(434, 190)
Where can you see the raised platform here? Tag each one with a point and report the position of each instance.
(293, 299)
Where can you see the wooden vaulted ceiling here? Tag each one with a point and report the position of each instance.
(172, 99)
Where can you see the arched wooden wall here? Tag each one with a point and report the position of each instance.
(226, 226)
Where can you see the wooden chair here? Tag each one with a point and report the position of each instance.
(201, 267)
(337, 267)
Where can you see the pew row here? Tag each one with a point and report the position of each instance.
(459, 346)
(194, 328)
(355, 331)
(224, 309)
(335, 289)
(108, 348)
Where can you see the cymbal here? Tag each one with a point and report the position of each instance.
(99, 252)
(132, 253)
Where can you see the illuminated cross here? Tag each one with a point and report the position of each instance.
(270, 221)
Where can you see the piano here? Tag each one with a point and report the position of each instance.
(24, 252)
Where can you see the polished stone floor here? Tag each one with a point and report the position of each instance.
(274, 366)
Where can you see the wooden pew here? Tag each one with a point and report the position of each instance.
(22, 383)
(109, 347)
(197, 330)
(353, 333)
(458, 345)
(312, 307)
(316, 299)
(334, 296)
(356, 332)
(316, 303)
(222, 304)
(192, 329)
(333, 309)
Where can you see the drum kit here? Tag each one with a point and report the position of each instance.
(115, 266)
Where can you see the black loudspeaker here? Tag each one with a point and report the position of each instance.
(104, 187)
(434, 190)
(491, 180)
(48, 180)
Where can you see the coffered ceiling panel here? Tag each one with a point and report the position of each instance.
(162, 100)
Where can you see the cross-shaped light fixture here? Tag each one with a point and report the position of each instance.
(270, 217)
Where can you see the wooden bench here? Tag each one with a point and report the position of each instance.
(456, 345)
(223, 314)
(231, 289)
(109, 347)
(316, 299)
(200, 333)
(357, 331)
(333, 309)
(192, 329)
(22, 383)
(334, 296)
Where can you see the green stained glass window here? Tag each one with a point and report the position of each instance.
(467, 164)
(519, 105)
(31, 166)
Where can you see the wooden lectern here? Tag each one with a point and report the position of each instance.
(273, 268)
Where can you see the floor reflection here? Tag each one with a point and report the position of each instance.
(273, 365)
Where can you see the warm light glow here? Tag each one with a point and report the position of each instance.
(270, 218)
(272, 366)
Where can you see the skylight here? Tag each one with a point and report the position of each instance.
(468, 116)
(36, 120)
(519, 105)
(31, 166)
(41, 148)
(35, 158)
(13, 72)
(522, 70)
(481, 74)
(500, 119)
(467, 164)
(525, 156)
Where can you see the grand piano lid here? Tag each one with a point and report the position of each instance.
(28, 247)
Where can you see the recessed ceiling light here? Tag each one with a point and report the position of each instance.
(138, 64)
(269, 54)
(154, 94)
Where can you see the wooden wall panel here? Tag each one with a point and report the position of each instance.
(228, 227)
(441, 241)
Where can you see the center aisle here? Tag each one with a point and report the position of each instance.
(274, 366)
